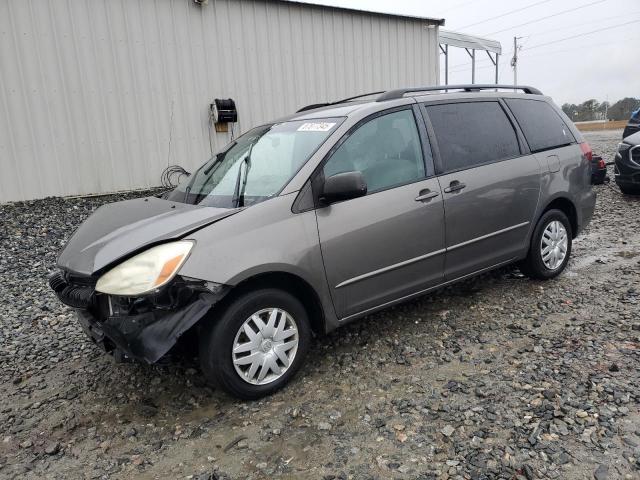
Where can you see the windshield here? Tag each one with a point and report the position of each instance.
(256, 166)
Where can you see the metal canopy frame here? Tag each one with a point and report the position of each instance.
(471, 44)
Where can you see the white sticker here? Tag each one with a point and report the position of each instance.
(316, 127)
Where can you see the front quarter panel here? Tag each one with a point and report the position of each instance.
(264, 238)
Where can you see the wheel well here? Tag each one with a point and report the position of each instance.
(290, 283)
(567, 207)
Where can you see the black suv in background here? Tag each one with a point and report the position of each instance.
(627, 165)
(633, 126)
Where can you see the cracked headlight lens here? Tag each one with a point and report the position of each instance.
(147, 271)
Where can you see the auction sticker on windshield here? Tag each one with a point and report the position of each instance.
(316, 127)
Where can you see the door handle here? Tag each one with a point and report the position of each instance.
(454, 186)
(426, 195)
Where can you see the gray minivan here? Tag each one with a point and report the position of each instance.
(314, 220)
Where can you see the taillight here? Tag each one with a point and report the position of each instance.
(586, 151)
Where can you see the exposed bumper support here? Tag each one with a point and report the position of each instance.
(148, 336)
(142, 328)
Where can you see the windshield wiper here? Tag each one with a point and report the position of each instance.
(238, 193)
(219, 157)
(244, 182)
(214, 165)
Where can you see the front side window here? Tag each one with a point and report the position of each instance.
(471, 134)
(256, 166)
(387, 150)
(541, 125)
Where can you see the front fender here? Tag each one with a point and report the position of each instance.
(264, 238)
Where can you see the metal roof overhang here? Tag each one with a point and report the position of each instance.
(470, 43)
(312, 3)
(462, 40)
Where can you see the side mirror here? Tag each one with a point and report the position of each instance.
(343, 186)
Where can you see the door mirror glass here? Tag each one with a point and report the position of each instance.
(343, 186)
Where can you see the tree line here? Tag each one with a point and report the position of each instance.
(594, 110)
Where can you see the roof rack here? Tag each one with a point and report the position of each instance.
(318, 105)
(399, 93)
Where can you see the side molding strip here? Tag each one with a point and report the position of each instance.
(390, 267)
(421, 292)
(428, 255)
(489, 235)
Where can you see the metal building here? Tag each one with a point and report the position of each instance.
(101, 96)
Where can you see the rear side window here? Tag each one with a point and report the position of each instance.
(541, 125)
(471, 134)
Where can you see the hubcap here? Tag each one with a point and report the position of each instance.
(554, 244)
(265, 346)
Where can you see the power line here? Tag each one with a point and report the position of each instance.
(482, 60)
(582, 24)
(501, 67)
(581, 47)
(523, 47)
(455, 7)
(581, 35)
(505, 14)
(503, 58)
(547, 17)
(506, 56)
(453, 68)
(457, 66)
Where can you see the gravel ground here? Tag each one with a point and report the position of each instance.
(497, 377)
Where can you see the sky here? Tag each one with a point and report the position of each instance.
(602, 62)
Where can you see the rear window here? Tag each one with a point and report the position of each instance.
(541, 124)
(471, 134)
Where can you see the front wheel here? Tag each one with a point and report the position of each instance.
(257, 344)
(550, 247)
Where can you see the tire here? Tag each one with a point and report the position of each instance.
(272, 343)
(535, 266)
(627, 190)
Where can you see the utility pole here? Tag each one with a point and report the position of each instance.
(514, 60)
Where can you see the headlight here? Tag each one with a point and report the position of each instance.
(146, 271)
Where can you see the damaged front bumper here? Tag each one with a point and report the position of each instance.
(143, 328)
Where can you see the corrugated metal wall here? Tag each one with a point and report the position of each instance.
(100, 95)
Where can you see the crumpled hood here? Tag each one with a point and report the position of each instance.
(119, 229)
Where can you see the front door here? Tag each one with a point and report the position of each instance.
(389, 243)
(490, 186)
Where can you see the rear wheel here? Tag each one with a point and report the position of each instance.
(550, 246)
(257, 344)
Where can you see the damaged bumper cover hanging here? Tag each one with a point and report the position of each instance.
(142, 328)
